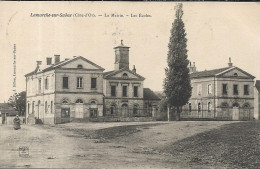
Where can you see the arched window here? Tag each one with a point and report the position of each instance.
(65, 101)
(79, 101)
(209, 106)
(46, 107)
(235, 74)
(224, 104)
(79, 66)
(189, 107)
(93, 102)
(199, 107)
(125, 75)
(246, 105)
(113, 109)
(235, 105)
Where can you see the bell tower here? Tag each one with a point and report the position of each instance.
(121, 56)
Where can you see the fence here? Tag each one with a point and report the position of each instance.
(127, 112)
(220, 114)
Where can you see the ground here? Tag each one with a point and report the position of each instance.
(204, 144)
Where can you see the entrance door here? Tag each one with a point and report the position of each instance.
(65, 115)
(235, 113)
(79, 111)
(124, 110)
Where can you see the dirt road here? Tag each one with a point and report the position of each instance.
(96, 145)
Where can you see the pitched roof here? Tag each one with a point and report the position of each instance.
(257, 85)
(150, 95)
(111, 73)
(217, 72)
(208, 73)
(61, 63)
(6, 108)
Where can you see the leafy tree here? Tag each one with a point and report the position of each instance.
(18, 102)
(177, 85)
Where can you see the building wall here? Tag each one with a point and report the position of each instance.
(72, 77)
(256, 104)
(119, 89)
(212, 105)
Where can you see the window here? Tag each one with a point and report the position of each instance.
(246, 105)
(209, 89)
(47, 83)
(65, 82)
(246, 91)
(93, 112)
(46, 107)
(199, 89)
(79, 82)
(124, 91)
(235, 74)
(93, 83)
(189, 107)
(235, 104)
(199, 107)
(209, 106)
(113, 90)
(40, 85)
(113, 109)
(235, 89)
(51, 106)
(224, 89)
(80, 66)
(79, 101)
(33, 107)
(65, 102)
(135, 110)
(125, 75)
(135, 91)
(65, 112)
(224, 104)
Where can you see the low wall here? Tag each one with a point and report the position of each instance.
(122, 119)
(10, 120)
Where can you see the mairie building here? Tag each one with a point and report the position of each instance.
(78, 89)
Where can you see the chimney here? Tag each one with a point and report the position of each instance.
(39, 63)
(48, 60)
(134, 69)
(192, 68)
(57, 58)
(230, 64)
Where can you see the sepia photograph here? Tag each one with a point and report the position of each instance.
(109, 85)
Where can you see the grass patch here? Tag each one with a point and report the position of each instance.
(103, 135)
(235, 145)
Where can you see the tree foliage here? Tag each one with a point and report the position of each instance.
(18, 102)
(177, 85)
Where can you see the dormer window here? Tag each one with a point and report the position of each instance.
(80, 66)
(125, 75)
(235, 74)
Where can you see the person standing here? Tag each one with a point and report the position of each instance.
(17, 123)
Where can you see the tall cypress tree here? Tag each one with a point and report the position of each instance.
(177, 85)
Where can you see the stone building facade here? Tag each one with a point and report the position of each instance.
(65, 90)
(225, 94)
(77, 88)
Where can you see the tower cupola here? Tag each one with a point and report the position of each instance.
(121, 56)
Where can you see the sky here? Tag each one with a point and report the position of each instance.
(215, 32)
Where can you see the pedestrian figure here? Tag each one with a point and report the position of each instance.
(17, 123)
